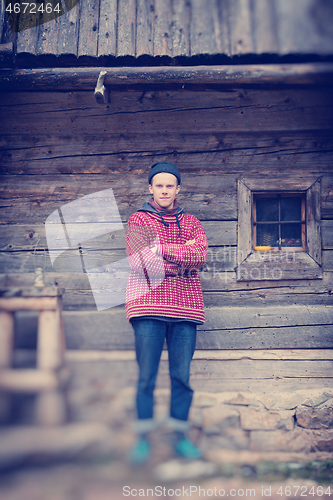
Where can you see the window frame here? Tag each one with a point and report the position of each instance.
(279, 195)
(302, 264)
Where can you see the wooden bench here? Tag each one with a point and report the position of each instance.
(49, 377)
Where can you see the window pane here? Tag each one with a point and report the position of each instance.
(267, 209)
(291, 235)
(268, 235)
(291, 208)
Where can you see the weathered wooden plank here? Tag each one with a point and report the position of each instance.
(145, 27)
(261, 317)
(219, 260)
(198, 205)
(327, 234)
(27, 38)
(107, 28)
(2, 19)
(205, 28)
(313, 222)
(244, 226)
(228, 153)
(199, 195)
(267, 386)
(80, 297)
(241, 37)
(265, 35)
(233, 76)
(163, 28)
(250, 369)
(123, 374)
(69, 31)
(48, 37)
(112, 331)
(274, 296)
(18, 262)
(181, 17)
(284, 265)
(88, 28)
(223, 285)
(189, 162)
(205, 111)
(328, 260)
(126, 31)
(21, 237)
(239, 354)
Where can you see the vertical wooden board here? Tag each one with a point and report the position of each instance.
(264, 27)
(27, 39)
(48, 37)
(2, 19)
(304, 26)
(244, 227)
(163, 28)
(6, 338)
(313, 222)
(239, 15)
(88, 29)
(107, 33)
(69, 31)
(126, 28)
(6, 33)
(181, 27)
(205, 28)
(49, 348)
(222, 8)
(145, 27)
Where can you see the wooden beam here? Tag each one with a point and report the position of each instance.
(236, 75)
(28, 381)
(73, 355)
(28, 303)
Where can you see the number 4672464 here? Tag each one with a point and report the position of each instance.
(31, 8)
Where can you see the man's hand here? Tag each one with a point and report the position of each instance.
(190, 242)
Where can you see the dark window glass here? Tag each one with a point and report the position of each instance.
(291, 235)
(291, 209)
(267, 209)
(268, 235)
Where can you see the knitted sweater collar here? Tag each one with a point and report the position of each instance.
(151, 206)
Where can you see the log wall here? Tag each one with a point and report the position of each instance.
(58, 146)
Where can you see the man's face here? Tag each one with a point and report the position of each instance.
(164, 189)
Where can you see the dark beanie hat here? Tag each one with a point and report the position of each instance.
(163, 166)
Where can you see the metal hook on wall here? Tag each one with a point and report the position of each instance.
(101, 92)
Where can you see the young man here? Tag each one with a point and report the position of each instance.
(166, 248)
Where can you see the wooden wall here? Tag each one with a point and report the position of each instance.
(58, 146)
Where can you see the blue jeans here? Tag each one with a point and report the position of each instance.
(149, 340)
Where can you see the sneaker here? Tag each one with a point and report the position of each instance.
(140, 453)
(185, 448)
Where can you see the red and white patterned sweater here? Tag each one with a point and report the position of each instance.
(167, 283)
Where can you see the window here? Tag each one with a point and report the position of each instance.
(279, 221)
(279, 229)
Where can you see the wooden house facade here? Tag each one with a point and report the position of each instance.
(239, 95)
